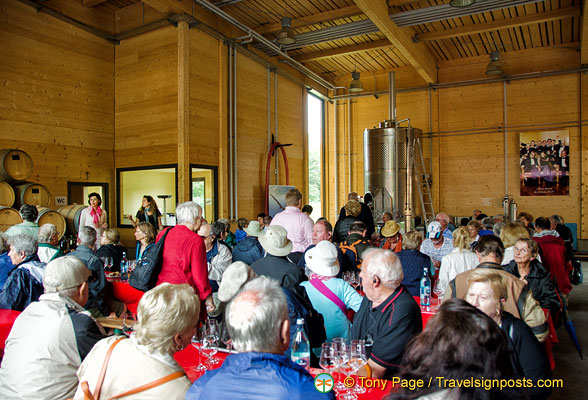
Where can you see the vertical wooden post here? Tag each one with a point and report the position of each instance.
(223, 154)
(583, 226)
(183, 111)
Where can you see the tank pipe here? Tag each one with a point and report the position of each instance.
(505, 142)
(235, 173)
(409, 173)
(230, 71)
(336, 156)
(392, 95)
(276, 170)
(267, 170)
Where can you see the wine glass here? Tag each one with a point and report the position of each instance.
(212, 328)
(357, 359)
(439, 291)
(338, 344)
(327, 360)
(210, 348)
(197, 343)
(128, 322)
(343, 361)
(226, 338)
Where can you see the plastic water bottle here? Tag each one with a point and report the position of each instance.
(301, 347)
(124, 267)
(425, 289)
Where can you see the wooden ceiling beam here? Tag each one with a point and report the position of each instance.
(92, 3)
(584, 34)
(169, 7)
(343, 12)
(420, 59)
(502, 24)
(318, 55)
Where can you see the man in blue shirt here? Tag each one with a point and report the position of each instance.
(257, 320)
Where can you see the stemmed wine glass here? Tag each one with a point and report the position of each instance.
(338, 344)
(327, 360)
(210, 342)
(343, 361)
(197, 343)
(357, 359)
(439, 291)
(128, 322)
(226, 338)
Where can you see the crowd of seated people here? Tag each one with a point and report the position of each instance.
(271, 272)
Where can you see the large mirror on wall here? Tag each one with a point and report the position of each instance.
(204, 189)
(78, 192)
(159, 182)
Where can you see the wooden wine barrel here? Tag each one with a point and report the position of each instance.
(48, 216)
(32, 193)
(6, 194)
(8, 217)
(15, 165)
(72, 213)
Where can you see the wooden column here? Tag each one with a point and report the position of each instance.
(583, 226)
(183, 111)
(223, 154)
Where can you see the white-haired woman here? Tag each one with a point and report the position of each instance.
(184, 253)
(461, 259)
(167, 319)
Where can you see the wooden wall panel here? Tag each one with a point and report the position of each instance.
(204, 98)
(56, 100)
(146, 99)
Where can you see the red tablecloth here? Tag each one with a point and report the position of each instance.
(7, 318)
(123, 292)
(426, 312)
(188, 359)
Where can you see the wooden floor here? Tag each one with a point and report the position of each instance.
(568, 365)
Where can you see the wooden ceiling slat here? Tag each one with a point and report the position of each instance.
(343, 50)
(557, 32)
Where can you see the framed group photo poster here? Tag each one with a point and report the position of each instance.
(545, 163)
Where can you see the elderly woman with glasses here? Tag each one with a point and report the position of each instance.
(487, 291)
(167, 319)
(526, 267)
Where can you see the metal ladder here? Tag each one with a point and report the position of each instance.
(423, 185)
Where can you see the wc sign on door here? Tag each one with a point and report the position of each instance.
(60, 200)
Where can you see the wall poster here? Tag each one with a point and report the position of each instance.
(545, 163)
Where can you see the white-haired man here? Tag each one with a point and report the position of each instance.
(257, 320)
(388, 317)
(184, 253)
(48, 238)
(85, 251)
(25, 281)
(444, 220)
(218, 255)
(49, 340)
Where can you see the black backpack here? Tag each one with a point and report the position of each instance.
(145, 275)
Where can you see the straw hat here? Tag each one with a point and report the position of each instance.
(275, 241)
(390, 228)
(254, 229)
(322, 259)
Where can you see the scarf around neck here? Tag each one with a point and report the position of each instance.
(96, 214)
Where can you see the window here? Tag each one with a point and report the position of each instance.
(315, 138)
(159, 182)
(204, 189)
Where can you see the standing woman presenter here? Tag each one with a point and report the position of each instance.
(148, 212)
(94, 216)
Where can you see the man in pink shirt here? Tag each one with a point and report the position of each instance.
(184, 253)
(297, 224)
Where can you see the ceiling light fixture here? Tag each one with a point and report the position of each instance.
(461, 3)
(286, 35)
(495, 65)
(355, 86)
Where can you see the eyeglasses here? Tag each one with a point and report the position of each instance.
(204, 237)
(521, 250)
